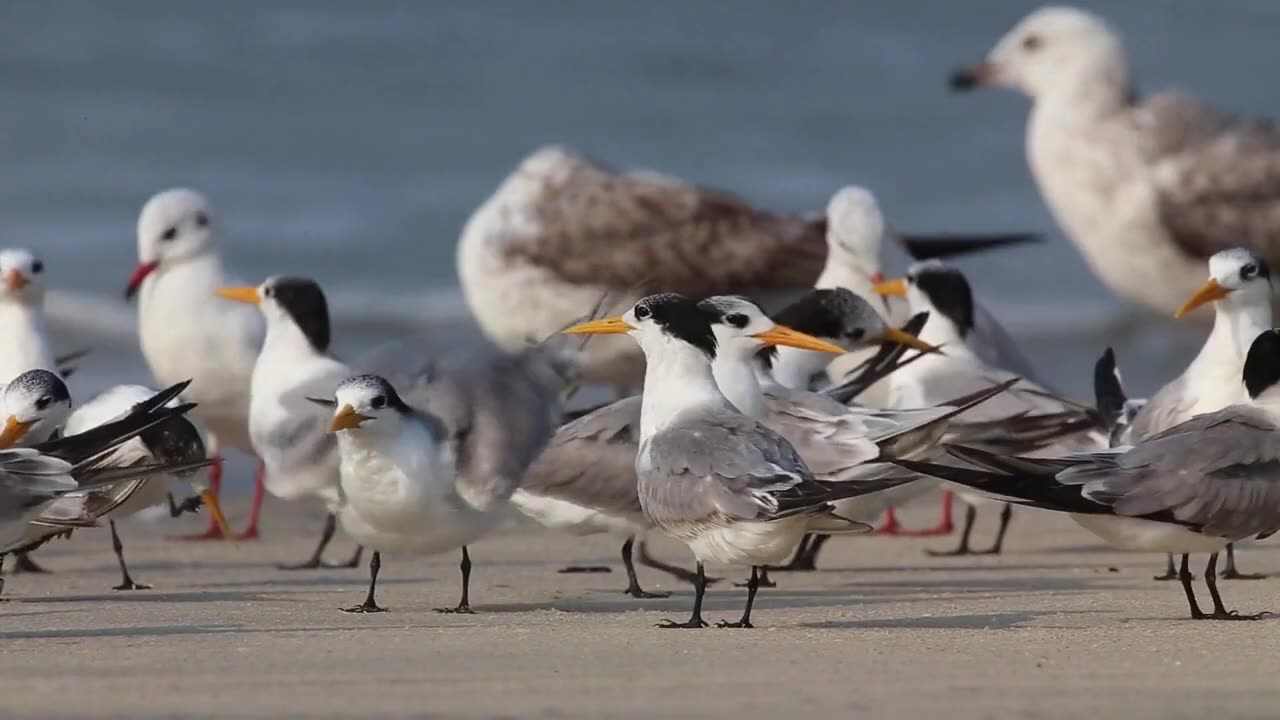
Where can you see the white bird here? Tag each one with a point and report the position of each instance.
(1146, 187)
(24, 334)
(438, 476)
(1195, 487)
(185, 332)
(731, 489)
(959, 370)
(288, 433)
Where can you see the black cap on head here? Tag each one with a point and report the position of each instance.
(680, 317)
(1262, 365)
(44, 384)
(949, 292)
(833, 313)
(303, 299)
(381, 388)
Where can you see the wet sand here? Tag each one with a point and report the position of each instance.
(1058, 627)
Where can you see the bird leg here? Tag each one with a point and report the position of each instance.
(313, 562)
(255, 508)
(970, 515)
(464, 605)
(806, 556)
(1184, 577)
(633, 582)
(1006, 514)
(762, 581)
(2, 557)
(353, 562)
(126, 582)
(188, 505)
(752, 586)
(369, 605)
(24, 564)
(674, 571)
(699, 589)
(945, 525)
(211, 531)
(1170, 572)
(1231, 573)
(585, 570)
(1220, 612)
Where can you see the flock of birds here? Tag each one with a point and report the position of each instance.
(750, 436)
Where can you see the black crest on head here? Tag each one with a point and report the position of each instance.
(384, 395)
(825, 313)
(682, 318)
(1262, 365)
(949, 292)
(43, 383)
(1257, 268)
(303, 299)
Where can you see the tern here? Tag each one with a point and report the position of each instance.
(25, 343)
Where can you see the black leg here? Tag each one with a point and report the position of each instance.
(1184, 576)
(699, 589)
(970, 515)
(126, 582)
(1006, 514)
(313, 562)
(761, 581)
(802, 560)
(464, 605)
(1170, 572)
(752, 586)
(1220, 612)
(2, 557)
(674, 571)
(584, 569)
(24, 564)
(633, 582)
(811, 553)
(1230, 573)
(369, 605)
(188, 505)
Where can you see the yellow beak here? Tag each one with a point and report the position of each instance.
(1207, 293)
(783, 335)
(895, 335)
(240, 294)
(211, 502)
(896, 287)
(13, 431)
(346, 419)
(607, 326)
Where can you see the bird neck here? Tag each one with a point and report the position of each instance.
(736, 378)
(1086, 95)
(285, 339)
(25, 324)
(1235, 327)
(675, 382)
(795, 368)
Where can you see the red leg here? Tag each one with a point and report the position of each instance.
(945, 525)
(890, 526)
(255, 510)
(211, 532)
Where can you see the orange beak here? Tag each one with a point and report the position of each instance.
(1207, 293)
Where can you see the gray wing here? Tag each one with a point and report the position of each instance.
(1219, 472)
(29, 480)
(1217, 176)
(592, 460)
(997, 348)
(1168, 407)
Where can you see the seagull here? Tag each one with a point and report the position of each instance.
(1147, 187)
(33, 480)
(731, 489)
(186, 333)
(33, 405)
(438, 475)
(1239, 288)
(960, 369)
(1193, 488)
(175, 442)
(26, 335)
(562, 230)
(288, 433)
(585, 480)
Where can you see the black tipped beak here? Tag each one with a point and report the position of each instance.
(969, 77)
(925, 247)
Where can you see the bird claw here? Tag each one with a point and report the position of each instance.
(1237, 575)
(645, 594)
(131, 585)
(576, 569)
(364, 608)
(738, 624)
(460, 610)
(691, 624)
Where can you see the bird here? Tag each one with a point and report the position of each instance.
(1196, 487)
(1240, 289)
(185, 332)
(176, 441)
(34, 405)
(728, 487)
(435, 472)
(960, 368)
(562, 230)
(1147, 187)
(584, 481)
(26, 336)
(288, 433)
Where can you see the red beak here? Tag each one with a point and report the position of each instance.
(140, 273)
(877, 278)
(15, 281)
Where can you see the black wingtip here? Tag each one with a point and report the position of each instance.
(1108, 391)
(927, 247)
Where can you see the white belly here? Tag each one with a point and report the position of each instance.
(436, 532)
(749, 543)
(570, 517)
(1138, 534)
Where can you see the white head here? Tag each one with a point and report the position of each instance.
(942, 291)
(1056, 49)
(36, 403)
(21, 277)
(855, 227)
(1237, 279)
(291, 305)
(368, 405)
(174, 225)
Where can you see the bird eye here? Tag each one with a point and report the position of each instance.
(43, 402)
(642, 312)
(1031, 43)
(169, 234)
(37, 267)
(268, 291)
(1248, 271)
(202, 220)
(378, 402)
(737, 320)
(858, 333)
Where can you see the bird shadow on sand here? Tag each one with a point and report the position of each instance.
(981, 621)
(312, 579)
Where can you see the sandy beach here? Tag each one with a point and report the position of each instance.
(1058, 627)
